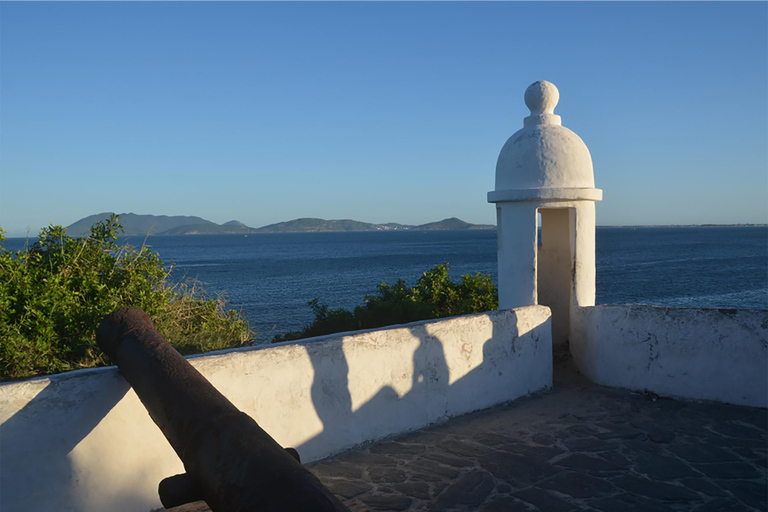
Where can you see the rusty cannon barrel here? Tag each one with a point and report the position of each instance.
(230, 462)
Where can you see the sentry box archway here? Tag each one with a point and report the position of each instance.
(546, 169)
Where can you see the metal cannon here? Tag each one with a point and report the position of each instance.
(230, 462)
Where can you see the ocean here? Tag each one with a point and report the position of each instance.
(271, 277)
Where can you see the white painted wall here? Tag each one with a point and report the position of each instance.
(83, 442)
(706, 354)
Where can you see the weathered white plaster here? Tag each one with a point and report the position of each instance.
(545, 167)
(706, 354)
(584, 269)
(516, 238)
(83, 442)
(544, 154)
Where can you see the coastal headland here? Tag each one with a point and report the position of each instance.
(134, 224)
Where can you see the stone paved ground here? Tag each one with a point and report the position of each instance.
(575, 447)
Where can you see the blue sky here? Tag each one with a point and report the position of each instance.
(380, 112)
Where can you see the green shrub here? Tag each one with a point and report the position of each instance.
(54, 294)
(434, 296)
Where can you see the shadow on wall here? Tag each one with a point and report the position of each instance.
(451, 371)
(46, 430)
(83, 442)
(386, 410)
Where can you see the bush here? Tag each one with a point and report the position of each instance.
(434, 296)
(54, 294)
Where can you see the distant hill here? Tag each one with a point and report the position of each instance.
(134, 224)
(311, 224)
(209, 229)
(143, 225)
(452, 223)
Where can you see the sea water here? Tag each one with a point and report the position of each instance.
(271, 277)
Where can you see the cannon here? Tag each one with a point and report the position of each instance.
(230, 462)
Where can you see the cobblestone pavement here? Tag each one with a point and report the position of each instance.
(575, 447)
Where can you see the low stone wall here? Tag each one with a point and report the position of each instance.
(705, 354)
(83, 442)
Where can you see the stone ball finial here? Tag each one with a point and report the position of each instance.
(542, 97)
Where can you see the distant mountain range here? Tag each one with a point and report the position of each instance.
(134, 224)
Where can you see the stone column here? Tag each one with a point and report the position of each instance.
(516, 223)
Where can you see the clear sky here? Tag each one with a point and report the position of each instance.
(379, 112)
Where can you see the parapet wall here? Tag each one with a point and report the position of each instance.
(83, 442)
(704, 354)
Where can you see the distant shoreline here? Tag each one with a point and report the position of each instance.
(144, 224)
(489, 228)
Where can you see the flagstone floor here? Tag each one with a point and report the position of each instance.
(576, 447)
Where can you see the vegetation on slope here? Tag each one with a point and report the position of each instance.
(54, 294)
(134, 224)
(144, 225)
(452, 223)
(434, 296)
(312, 225)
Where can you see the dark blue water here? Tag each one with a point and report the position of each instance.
(271, 277)
(683, 267)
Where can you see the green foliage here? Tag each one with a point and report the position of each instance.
(434, 296)
(54, 294)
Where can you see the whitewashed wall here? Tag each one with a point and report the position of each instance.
(705, 354)
(83, 442)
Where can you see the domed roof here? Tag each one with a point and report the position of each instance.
(544, 160)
